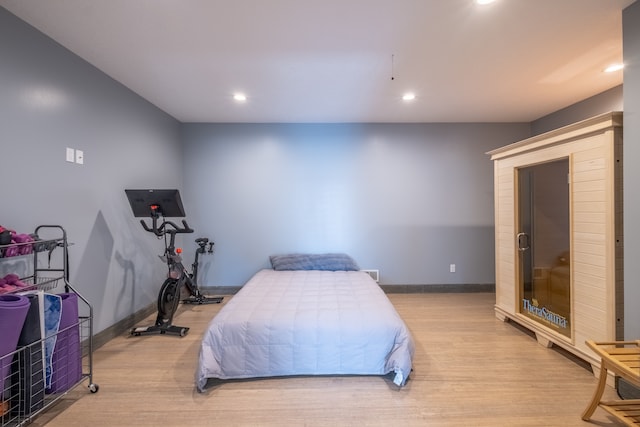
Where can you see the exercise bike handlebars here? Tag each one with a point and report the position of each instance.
(162, 229)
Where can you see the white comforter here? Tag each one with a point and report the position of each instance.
(306, 323)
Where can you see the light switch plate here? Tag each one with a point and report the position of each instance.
(71, 155)
(80, 157)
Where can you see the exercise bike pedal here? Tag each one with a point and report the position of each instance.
(202, 300)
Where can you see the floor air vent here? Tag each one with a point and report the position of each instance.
(375, 274)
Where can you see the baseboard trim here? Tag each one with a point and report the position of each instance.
(446, 288)
(626, 390)
(220, 290)
(122, 326)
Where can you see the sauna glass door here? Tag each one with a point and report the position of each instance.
(543, 244)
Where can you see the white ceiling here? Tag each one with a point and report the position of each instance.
(333, 60)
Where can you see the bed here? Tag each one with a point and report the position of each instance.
(306, 318)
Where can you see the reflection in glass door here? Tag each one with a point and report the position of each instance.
(543, 244)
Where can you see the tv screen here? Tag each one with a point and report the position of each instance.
(168, 202)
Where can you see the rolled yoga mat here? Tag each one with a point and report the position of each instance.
(67, 355)
(27, 391)
(13, 311)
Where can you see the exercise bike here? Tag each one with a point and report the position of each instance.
(177, 275)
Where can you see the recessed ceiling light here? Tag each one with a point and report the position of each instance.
(408, 97)
(484, 1)
(613, 67)
(240, 97)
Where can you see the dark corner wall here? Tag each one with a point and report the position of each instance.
(631, 174)
(407, 199)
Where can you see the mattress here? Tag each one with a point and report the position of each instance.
(308, 322)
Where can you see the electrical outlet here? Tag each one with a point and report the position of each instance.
(71, 155)
(452, 268)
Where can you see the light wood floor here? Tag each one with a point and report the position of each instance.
(470, 369)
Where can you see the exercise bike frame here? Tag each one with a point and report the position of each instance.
(177, 277)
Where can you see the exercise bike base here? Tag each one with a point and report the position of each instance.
(160, 329)
(203, 300)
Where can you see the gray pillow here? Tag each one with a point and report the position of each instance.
(325, 262)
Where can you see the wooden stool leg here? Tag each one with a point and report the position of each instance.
(602, 382)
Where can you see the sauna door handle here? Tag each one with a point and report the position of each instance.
(523, 241)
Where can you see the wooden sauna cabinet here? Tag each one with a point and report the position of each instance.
(590, 300)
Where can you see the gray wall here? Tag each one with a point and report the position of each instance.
(407, 199)
(631, 150)
(610, 100)
(49, 100)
